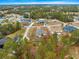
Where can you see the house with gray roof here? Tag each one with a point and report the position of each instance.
(2, 41)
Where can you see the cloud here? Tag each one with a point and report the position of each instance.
(41, 3)
(53, 2)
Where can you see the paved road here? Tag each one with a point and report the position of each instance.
(27, 30)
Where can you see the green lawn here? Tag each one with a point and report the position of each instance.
(19, 32)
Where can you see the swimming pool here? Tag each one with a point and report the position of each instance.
(69, 28)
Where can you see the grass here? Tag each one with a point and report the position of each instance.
(19, 32)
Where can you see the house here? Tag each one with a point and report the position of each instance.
(41, 21)
(1, 19)
(55, 26)
(25, 20)
(3, 12)
(76, 24)
(2, 41)
(76, 18)
(13, 17)
(38, 32)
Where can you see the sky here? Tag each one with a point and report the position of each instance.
(39, 1)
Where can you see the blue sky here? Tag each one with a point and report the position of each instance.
(39, 1)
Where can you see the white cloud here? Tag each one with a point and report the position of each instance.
(42, 3)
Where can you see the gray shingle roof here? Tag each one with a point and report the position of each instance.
(2, 41)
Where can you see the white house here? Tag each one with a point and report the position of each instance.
(55, 26)
(76, 18)
(13, 17)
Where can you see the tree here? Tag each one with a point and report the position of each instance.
(7, 51)
(10, 28)
(18, 25)
(75, 37)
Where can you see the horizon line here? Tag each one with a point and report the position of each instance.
(39, 3)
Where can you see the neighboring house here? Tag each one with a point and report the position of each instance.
(55, 26)
(1, 19)
(75, 24)
(25, 20)
(2, 41)
(3, 12)
(41, 21)
(13, 17)
(76, 18)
